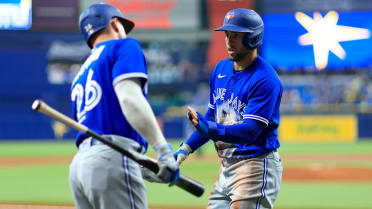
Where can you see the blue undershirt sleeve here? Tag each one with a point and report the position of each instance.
(245, 133)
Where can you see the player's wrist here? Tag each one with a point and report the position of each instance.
(162, 149)
(185, 149)
(210, 129)
(182, 153)
(202, 126)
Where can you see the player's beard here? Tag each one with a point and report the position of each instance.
(239, 56)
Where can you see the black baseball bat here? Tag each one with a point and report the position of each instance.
(184, 183)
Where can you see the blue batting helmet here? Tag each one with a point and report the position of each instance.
(97, 17)
(246, 21)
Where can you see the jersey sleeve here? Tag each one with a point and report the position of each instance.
(130, 62)
(262, 102)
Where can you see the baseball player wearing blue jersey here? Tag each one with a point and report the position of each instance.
(242, 119)
(109, 95)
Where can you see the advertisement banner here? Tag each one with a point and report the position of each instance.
(15, 14)
(327, 40)
(318, 128)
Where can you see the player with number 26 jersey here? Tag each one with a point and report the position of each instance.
(109, 62)
(109, 96)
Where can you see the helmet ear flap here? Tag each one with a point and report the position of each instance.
(246, 41)
(252, 42)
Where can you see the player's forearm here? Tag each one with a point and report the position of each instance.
(138, 112)
(246, 132)
(196, 140)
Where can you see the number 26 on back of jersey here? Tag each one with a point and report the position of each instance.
(86, 98)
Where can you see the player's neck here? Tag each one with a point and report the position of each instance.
(244, 63)
(102, 38)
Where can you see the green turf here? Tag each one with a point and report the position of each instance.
(67, 148)
(37, 148)
(49, 184)
(325, 195)
(359, 147)
(35, 184)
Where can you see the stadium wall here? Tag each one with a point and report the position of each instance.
(24, 77)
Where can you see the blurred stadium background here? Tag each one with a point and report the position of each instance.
(326, 106)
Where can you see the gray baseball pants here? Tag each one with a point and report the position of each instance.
(102, 178)
(247, 183)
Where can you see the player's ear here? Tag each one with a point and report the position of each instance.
(114, 24)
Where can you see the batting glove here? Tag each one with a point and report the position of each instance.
(168, 168)
(209, 129)
(182, 153)
(149, 176)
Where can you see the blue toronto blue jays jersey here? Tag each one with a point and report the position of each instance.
(94, 102)
(252, 94)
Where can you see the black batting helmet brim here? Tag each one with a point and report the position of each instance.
(128, 24)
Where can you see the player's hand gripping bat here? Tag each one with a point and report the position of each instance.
(184, 183)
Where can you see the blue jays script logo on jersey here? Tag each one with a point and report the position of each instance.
(229, 111)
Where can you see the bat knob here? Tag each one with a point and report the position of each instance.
(36, 104)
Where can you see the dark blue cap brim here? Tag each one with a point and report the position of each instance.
(234, 28)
